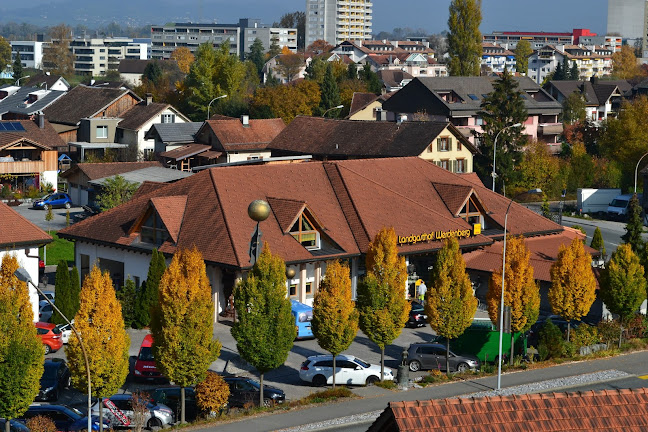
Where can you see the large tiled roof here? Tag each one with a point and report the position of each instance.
(360, 100)
(82, 102)
(18, 103)
(620, 410)
(233, 135)
(351, 200)
(153, 173)
(141, 113)
(132, 66)
(17, 232)
(46, 136)
(392, 77)
(45, 80)
(171, 133)
(329, 137)
(99, 170)
(595, 93)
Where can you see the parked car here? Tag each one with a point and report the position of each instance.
(56, 377)
(66, 419)
(49, 294)
(50, 336)
(54, 200)
(118, 409)
(14, 426)
(433, 356)
(145, 368)
(45, 311)
(170, 396)
(417, 317)
(303, 315)
(66, 331)
(246, 390)
(318, 370)
(534, 332)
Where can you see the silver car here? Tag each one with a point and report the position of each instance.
(118, 409)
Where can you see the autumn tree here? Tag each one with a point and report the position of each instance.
(623, 286)
(522, 52)
(464, 38)
(449, 302)
(521, 292)
(184, 58)
(335, 318)
(319, 46)
(212, 393)
(265, 329)
(574, 108)
(573, 284)
(101, 326)
(286, 101)
(597, 241)
(115, 191)
(538, 168)
(181, 324)
(21, 350)
(148, 293)
(63, 295)
(58, 58)
(5, 54)
(289, 65)
(634, 227)
(381, 294)
(624, 64)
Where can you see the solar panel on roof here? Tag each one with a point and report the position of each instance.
(11, 127)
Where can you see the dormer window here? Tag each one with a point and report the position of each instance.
(470, 212)
(153, 230)
(305, 233)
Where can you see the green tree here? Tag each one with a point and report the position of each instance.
(153, 72)
(370, 78)
(17, 68)
(464, 38)
(101, 326)
(500, 110)
(559, 73)
(21, 350)
(573, 284)
(265, 330)
(256, 55)
(573, 108)
(634, 227)
(574, 72)
(522, 52)
(538, 168)
(75, 292)
(597, 241)
(335, 318)
(148, 294)
(449, 302)
(127, 297)
(381, 294)
(521, 292)
(116, 191)
(63, 294)
(5, 53)
(330, 92)
(623, 286)
(274, 50)
(316, 70)
(182, 327)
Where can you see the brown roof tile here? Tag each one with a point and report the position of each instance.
(82, 102)
(139, 114)
(46, 136)
(286, 211)
(106, 169)
(233, 135)
(171, 210)
(185, 151)
(17, 232)
(361, 100)
(453, 196)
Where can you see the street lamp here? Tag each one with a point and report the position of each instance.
(494, 174)
(637, 168)
(18, 80)
(23, 276)
(335, 107)
(258, 211)
(216, 98)
(501, 321)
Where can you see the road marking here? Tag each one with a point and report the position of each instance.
(644, 377)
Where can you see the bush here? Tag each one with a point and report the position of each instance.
(635, 328)
(32, 192)
(608, 331)
(41, 424)
(212, 394)
(5, 192)
(584, 335)
(550, 341)
(140, 410)
(389, 385)
(328, 395)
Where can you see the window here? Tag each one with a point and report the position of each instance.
(459, 147)
(471, 212)
(85, 265)
(443, 144)
(309, 289)
(305, 233)
(153, 230)
(102, 132)
(292, 291)
(444, 163)
(168, 118)
(460, 166)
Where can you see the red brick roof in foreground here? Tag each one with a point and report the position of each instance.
(606, 410)
(351, 200)
(17, 232)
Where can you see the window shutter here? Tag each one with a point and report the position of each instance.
(439, 144)
(454, 165)
(449, 144)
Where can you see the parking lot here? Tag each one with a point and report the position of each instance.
(37, 216)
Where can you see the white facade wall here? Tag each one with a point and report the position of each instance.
(626, 17)
(241, 156)
(29, 263)
(50, 177)
(136, 264)
(31, 53)
(338, 20)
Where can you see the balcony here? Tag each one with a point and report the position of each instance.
(22, 167)
(550, 128)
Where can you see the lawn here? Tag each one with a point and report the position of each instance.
(59, 249)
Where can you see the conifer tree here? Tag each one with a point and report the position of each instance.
(381, 295)
(63, 294)
(573, 284)
(17, 68)
(329, 91)
(21, 350)
(597, 241)
(256, 55)
(464, 38)
(623, 286)
(127, 297)
(101, 327)
(559, 74)
(370, 78)
(265, 330)
(181, 327)
(335, 318)
(634, 227)
(148, 293)
(500, 110)
(449, 303)
(574, 73)
(75, 291)
(521, 292)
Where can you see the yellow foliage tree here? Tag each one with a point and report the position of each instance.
(184, 58)
(573, 284)
(539, 168)
(624, 64)
(335, 318)
(100, 324)
(521, 292)
(286, 101)
(212, 393)
(449, 303)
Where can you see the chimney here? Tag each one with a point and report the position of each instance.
(41, 120)
(245, 120)
(149, 99)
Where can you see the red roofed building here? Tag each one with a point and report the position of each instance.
(319, 211)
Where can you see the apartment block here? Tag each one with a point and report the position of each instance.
(98, 55)
(338, 20)
(31, 53)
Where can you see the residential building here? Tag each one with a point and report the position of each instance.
(252, 29)
(458, 100)
(415, 64)
(319, 211)
(338, 20)
(509, 39)
(393, 80)
(592, 61)
(367, 106)
(273, 68)
(131, 71)
(614, 43)
(329, 139)
(627, 19)
(97, 56)
(21, 238)
(169, 136)
(24, 102)
(47, 81)
(31, 53)
(495, 58)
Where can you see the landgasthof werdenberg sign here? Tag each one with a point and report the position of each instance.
(438, 235)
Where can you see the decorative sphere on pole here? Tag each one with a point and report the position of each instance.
(290, 273)
(259, 210)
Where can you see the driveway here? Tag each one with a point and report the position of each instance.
(37, 216)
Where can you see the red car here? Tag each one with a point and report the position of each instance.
(50, 335)
(145, 367)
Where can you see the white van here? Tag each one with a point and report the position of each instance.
(618, 208)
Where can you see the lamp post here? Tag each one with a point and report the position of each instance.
(494, 174)
(335, 107)
(636, 169)
(258, 211)
(18, 80)
(501, 321)
(209, 106)
(23, 275)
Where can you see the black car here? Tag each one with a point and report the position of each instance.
(14, 426)
(170, 396)
(56, 377)
(433, 356)
(533, 334)
(245, 391)
(417, 317)
(66, 419)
